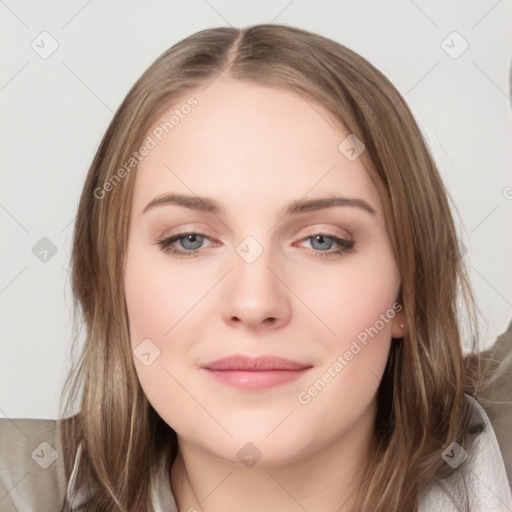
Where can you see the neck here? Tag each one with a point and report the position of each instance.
(325, 479)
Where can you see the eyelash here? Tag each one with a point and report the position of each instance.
(166, 245)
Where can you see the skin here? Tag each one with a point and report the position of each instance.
(255, 149)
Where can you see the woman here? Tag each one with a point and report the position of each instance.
(231, 358)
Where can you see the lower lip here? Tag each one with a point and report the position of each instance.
(256, 380)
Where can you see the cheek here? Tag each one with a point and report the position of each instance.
(355, 304)
(351, 298)
(150, 304)
(157, 298)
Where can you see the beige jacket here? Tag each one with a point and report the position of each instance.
(32, 472)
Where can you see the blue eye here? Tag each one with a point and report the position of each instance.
(194, 239)
(191, 244)
(345, 246)
(321, 240)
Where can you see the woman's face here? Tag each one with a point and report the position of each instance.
(258, 278)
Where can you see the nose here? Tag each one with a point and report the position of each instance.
(256, 294)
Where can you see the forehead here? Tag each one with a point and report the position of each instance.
(245, 143)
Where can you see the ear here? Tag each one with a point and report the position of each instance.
(399, 325)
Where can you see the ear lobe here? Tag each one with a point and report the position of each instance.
(399, 326)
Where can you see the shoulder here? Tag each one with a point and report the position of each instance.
(32, 477)
(31, 467)
(479, 481)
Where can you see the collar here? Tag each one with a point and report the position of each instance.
(79, 491)
(480, 481)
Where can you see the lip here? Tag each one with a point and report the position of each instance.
(255, 373)
(261, 363)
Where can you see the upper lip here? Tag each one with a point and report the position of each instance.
(262, 363)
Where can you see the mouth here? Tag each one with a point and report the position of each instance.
(259, 373)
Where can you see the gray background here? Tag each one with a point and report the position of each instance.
(55, 108)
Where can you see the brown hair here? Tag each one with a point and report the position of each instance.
(422, 405)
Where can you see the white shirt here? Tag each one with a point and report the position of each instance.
(479, 484)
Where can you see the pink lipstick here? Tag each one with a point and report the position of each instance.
(259, 373)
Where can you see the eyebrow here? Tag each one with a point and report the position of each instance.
(205, 204)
